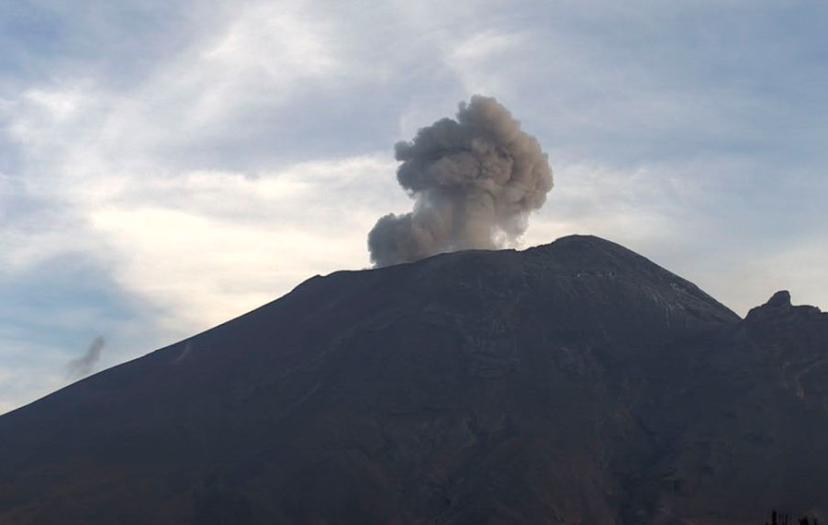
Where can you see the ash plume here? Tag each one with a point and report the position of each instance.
(474, 181)
(83, 365)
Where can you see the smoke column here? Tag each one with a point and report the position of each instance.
(474, 181)
(84, 364)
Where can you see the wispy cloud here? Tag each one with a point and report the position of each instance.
(83, 365)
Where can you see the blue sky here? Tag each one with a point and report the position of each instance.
(165, 166)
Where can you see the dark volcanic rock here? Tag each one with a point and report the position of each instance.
(571, 383)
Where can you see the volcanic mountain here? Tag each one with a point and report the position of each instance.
(575, 383)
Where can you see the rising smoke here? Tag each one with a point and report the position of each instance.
(474, 181)
(83, 365)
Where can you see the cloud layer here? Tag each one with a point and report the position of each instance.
(225, 151)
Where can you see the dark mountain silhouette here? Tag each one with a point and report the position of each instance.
(576, 382)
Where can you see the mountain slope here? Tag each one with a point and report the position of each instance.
(576, 382)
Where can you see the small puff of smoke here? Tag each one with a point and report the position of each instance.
(474, 181)
(83, 365)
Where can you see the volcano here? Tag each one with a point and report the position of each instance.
(575, 382)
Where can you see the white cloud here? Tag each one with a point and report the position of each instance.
(482, 46)
(477, 61)
(276, 40)
(210, 246)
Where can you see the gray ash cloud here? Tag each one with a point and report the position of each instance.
(474, 180)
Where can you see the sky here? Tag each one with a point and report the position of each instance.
(168, 165)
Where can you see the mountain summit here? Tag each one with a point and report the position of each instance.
(576, 382)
